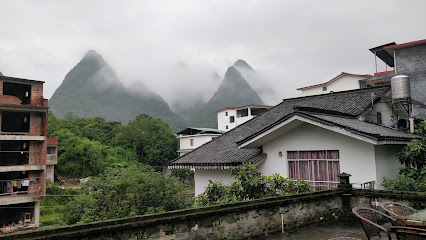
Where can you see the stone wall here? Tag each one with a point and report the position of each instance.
(229, 221)
(241, 220)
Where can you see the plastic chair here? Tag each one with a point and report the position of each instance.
(409, 233)
(369, 220)
(395, 209)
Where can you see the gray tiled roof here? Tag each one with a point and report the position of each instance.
(224, 150)
(370, 129)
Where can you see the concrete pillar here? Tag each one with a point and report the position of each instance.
(249, 111)
(37, 213)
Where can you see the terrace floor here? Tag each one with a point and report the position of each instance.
(323, 231)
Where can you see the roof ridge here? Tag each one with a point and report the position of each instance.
(339, 92)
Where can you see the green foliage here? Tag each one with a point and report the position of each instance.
(405, 183)
(152, 139)
(183, 174)
(122, 192)
(250, 185)
(53, 207)
(88, 146)
(80, 157)
(414, 154)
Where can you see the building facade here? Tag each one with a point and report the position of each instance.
(229, 118)
(342, 82)
(313, 138)
(23, 146)
(192, 138)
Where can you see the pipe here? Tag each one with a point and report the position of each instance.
(411, 124)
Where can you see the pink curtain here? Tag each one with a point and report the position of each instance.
(293, 170)
(333, 155)
(305, 155)
(304, 170)
(291, 155)
(322, 154)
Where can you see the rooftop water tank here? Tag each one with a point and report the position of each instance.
(400, 88)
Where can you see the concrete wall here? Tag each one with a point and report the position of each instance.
(387, 163)
(344, 83)
(385, 108)
(249, 219)
(411, 61)
(231, 221)
(199, 140)
(356, 157)
(202, 177)
(223, 120)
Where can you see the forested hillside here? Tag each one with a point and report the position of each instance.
(92, 89)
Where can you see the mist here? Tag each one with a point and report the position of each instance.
(290, 44)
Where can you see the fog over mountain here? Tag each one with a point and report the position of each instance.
(92, 89)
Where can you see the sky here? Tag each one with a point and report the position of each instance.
(290, 44)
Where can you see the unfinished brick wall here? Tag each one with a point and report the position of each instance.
(38, 125)
(37, 186)
(6, 99)
(37, 95)
(1, 87)
(37, 153)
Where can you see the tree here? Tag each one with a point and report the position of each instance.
(123, 192)
(152, 139)
(79, 157)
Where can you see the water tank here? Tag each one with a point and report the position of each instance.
(400, 88)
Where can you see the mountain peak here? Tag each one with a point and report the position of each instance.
(242, 64)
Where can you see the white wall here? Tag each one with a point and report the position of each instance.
(387, 163)
(202, 177)
(346, 82)
(385, 108)
(223, 120)
(356, 157)
(199, 139)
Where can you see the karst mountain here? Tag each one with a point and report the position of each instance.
(92, 89)
(234, 91)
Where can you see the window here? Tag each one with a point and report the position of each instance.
(51, 150)
(379, 118)
(320, 168)
(191, 142)
(226, 126)
(231, 119)
(226, 113)
(324, 88)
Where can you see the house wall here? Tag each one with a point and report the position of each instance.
(223, 120)
(387, 163)
(185, 141)
(356, 157)
(343, 83)
(202, 177)
(385, 108)
(411, 61)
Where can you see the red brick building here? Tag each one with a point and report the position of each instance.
(23, 151)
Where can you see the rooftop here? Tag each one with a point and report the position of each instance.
(339, 109)
(246, 106)
(335, 78)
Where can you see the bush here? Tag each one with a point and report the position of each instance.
(250, 185)
(124, 192)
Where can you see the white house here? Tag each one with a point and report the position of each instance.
(229, 118)
(344, 81)
(191, 138)
(313, 137)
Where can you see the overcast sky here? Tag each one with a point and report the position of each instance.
(291, 44)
